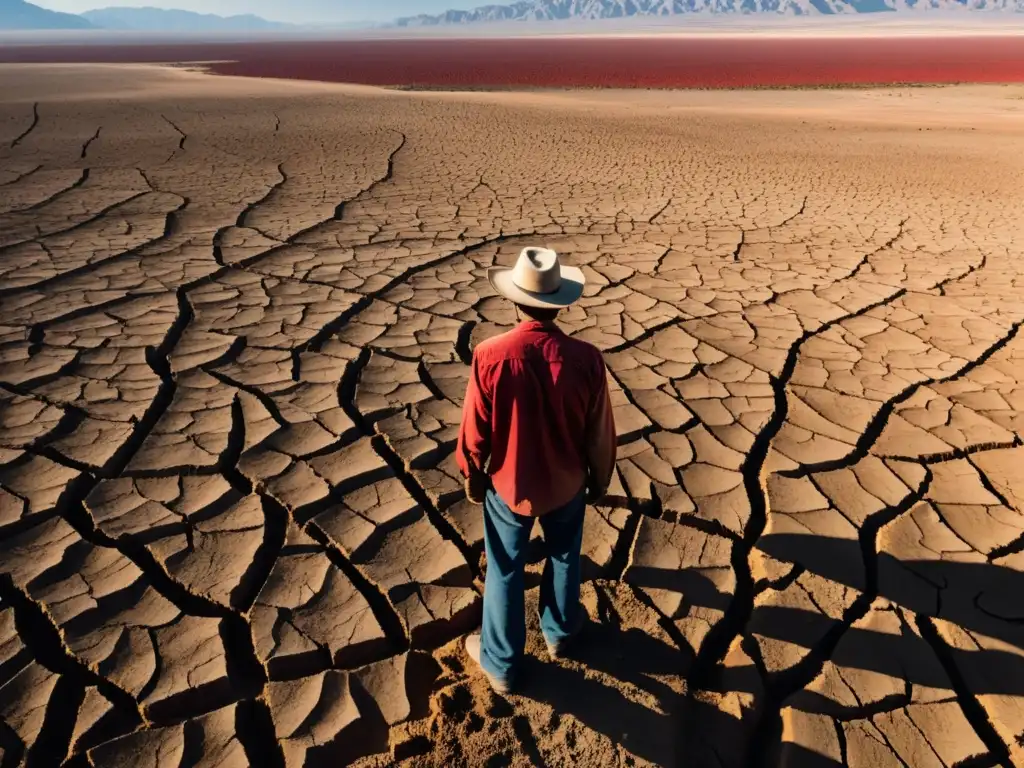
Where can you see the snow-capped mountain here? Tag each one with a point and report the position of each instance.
(541, 10)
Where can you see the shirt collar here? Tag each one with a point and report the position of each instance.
(537, 326)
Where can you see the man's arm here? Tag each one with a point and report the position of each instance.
(474, 448)
(601, 440)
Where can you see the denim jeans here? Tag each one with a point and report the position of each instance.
(506, 538)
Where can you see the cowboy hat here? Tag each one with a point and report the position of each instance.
(538, 280)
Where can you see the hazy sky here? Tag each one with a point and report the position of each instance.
(295, 11)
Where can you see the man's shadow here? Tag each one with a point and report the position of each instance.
(617, 680)
(627, 684)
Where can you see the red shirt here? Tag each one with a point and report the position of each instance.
(537, 406)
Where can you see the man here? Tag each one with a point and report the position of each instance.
(537, 441)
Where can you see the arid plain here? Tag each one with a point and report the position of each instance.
(236, 321)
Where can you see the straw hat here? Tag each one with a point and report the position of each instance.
(538, 280)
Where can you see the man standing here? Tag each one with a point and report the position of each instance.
(537, 441)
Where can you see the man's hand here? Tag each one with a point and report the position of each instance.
(476, 486)
(594, 495)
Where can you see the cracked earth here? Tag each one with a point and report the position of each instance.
(237, 321)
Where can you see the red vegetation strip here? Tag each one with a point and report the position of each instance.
(586, 62)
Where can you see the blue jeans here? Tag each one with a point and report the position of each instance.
(506, 538)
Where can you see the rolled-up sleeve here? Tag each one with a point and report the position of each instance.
(601, 437)
(474, 445)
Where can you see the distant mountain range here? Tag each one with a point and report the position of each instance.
(15, 14)
(541, 10)
(161, 20)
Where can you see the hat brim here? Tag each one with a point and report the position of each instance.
(570, 290)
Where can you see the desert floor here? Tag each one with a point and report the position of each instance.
(235, 327)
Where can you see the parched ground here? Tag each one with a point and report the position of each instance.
(235, 328)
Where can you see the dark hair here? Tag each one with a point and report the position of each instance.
(538, 314)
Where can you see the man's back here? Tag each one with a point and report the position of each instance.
(537, 406)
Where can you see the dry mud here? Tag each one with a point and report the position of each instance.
(236, 321)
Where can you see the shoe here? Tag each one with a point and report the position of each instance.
(558, 650)
(473, 651)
